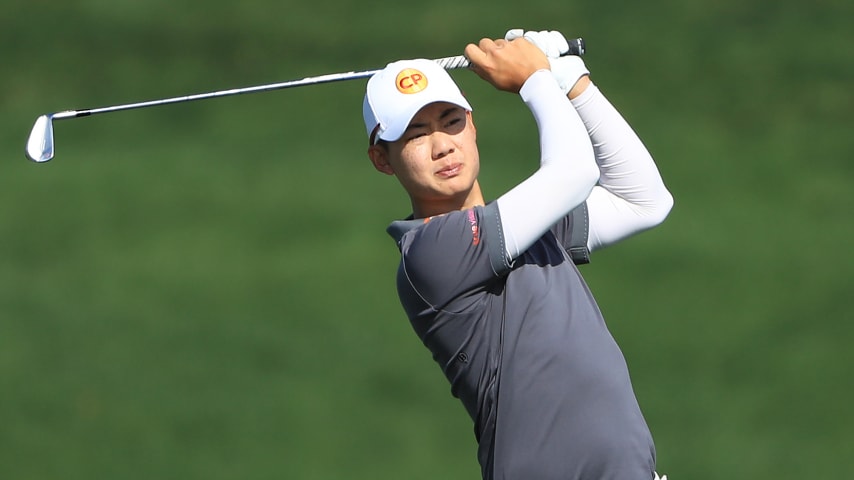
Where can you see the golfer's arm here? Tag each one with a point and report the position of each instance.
(631, 196)
(567, 171)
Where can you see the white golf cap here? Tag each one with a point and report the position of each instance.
(396, 93)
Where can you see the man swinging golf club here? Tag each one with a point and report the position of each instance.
(491, 288)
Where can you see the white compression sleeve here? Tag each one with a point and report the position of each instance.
(567, 170)
(631, 196)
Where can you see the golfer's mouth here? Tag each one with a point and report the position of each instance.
(450, 171)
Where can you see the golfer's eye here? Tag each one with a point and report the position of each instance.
(416, 136)
(456, 124)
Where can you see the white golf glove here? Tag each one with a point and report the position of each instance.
(566, 70)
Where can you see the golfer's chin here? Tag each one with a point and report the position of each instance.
(454, 185)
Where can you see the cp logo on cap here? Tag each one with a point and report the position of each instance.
(410, 80)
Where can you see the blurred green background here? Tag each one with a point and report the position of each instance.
(206, 290)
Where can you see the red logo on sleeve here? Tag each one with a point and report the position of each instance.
(475, 230)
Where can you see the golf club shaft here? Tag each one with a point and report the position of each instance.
(221, 93)
(448, 63)
(40, 146)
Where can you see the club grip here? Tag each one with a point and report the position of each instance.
(576, 47)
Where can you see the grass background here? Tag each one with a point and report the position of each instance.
(206, 290)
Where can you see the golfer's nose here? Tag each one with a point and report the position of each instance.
(442, 145)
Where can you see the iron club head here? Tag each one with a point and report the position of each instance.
(40, 143)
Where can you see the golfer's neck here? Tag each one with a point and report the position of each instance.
(432, 208)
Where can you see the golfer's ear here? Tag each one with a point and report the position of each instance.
(379, 157)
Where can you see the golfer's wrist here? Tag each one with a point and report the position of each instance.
(579, 87)
(535, 82)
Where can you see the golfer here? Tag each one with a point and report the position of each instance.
(491, 288)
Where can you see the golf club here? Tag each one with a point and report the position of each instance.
(40, 145)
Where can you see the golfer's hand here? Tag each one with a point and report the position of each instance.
(552, 43)
(506, 64)
(567, 70)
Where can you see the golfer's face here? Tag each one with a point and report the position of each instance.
(437, 155)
